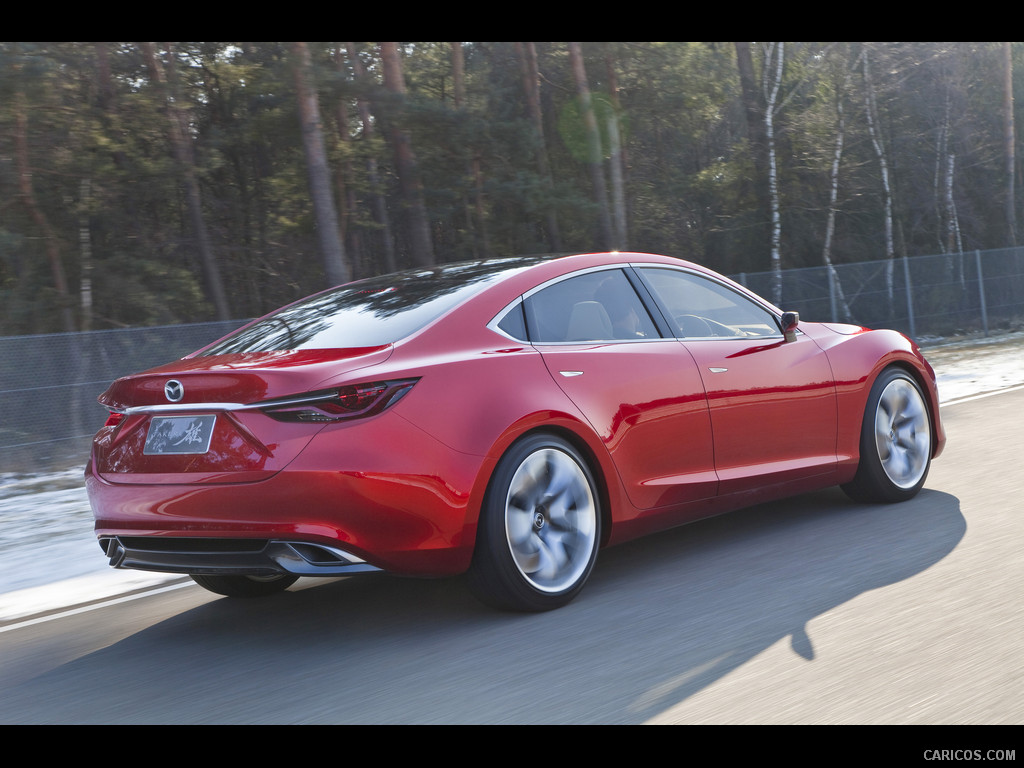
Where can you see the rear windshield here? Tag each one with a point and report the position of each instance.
(368, 313)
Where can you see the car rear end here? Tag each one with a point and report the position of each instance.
(280, 449)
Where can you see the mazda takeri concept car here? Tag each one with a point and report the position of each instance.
(505, 418)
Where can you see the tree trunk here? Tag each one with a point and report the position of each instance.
(753, 107)
(1009, 142)
(85, 254)
(348, 202)
(531, 88)
(954, 243)
(406, 165)
(476, 219)
(182, 147)
(593, 137)
(617, 159)
(772, 85)
(378, 203)
(331, 248)
(836, 286)
(871, 113)
(26, 193)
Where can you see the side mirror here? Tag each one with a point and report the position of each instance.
(790, 320)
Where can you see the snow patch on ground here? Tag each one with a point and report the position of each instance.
(49, 557)
(973, 366)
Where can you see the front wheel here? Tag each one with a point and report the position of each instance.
(245, 586)
(895, 443)
(539, 529)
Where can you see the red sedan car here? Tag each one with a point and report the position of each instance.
(505, 418)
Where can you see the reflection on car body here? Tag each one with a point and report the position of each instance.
(504, 418)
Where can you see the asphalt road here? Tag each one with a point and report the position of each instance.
(815, 610)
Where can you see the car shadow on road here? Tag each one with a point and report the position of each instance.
(662, 618)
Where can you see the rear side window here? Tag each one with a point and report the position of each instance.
(514, 323)
(596, 306)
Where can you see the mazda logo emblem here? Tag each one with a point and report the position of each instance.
(174, 390)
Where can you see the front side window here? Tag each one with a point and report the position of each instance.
(596, 306)
(698, 307)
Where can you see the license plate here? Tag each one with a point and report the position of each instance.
(179, 434)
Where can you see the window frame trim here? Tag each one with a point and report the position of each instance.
(654, 306)
(753, 298)
(642, 292)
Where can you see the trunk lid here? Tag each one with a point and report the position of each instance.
(182, 422)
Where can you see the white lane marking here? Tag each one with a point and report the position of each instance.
(92, 607)
(969, 398)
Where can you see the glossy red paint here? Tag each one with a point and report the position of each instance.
(671, 427)
(357, 490)
(241, 378)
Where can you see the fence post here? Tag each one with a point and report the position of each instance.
(910, 296)
(832, 293)
(981, 293)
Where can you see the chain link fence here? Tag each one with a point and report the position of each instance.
(49, 383)
(925, 297)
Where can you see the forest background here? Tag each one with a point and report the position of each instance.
(160, 183)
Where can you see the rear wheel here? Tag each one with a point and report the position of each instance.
(245, 586)
(895, 443)
(539, 530)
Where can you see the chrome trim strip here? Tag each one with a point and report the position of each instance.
(727, 283)
(496, 321)
(604, 342)
(171, 407)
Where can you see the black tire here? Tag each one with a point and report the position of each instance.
(539, 529)
(896, 441)
(245, 586)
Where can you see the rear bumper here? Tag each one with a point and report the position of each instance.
(250, 557)
(403, 503)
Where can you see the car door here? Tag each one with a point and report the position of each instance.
(640, 391)
(771, 400)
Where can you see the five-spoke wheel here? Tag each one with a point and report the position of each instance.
(539, 529)
(896, 441)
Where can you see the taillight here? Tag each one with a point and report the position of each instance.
(114, 419)
(353, 401)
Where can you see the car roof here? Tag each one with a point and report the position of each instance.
(398, 306)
